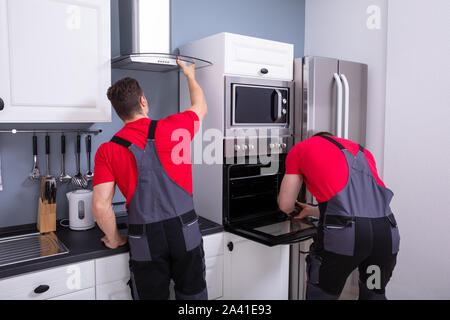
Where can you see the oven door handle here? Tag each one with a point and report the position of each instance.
(255, 176)
(279, 105)
(269, 240)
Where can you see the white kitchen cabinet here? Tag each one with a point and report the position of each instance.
(86, 294)
(117, 290)
(247, 56)
(234, 54)
(214, 277)
(254, 271)
(104, 278)
(112, 273)
(55, 60)
(60, 281)
(112, 276)
(112, 268)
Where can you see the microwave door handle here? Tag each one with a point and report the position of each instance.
(339, 106)
(346, 104)
(279, 105)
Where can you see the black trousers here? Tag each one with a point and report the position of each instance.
(170, 259)
(328, 271)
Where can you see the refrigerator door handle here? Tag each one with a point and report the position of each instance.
(339, 106)
(346, 104)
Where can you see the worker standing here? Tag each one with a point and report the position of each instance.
(356, 229)
(163, 232)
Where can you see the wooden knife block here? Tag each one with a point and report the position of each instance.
(46, 221)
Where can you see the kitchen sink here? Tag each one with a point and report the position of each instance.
(28, 247)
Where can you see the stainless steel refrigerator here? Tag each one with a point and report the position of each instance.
(330, 95)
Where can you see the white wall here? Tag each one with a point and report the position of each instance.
(408, 121)
(338, 29)
(417, 145)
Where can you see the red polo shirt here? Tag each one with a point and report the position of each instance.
(114, 163)
(323, 165)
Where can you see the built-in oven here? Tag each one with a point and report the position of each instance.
(260, 104)
(250, 207)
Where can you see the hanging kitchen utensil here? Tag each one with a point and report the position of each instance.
(79, 180)
(89, 175)
(64, 177)
(50, 185)
(35, 173)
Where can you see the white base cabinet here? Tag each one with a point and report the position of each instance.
(254, 271)
(117, 290)
(112, 273)
(112, 276)
(248, 271)
(54, 282)
(86, 294)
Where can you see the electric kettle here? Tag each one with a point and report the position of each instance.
(81, 216)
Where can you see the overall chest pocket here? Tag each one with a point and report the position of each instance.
(191, 230)
(339, 235)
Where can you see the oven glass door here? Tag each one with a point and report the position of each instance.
(275, 230)
(251, 207)
(258, 105)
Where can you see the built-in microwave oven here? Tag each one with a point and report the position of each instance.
(252, 103)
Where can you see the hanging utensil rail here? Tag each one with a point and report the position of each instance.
(14, 131)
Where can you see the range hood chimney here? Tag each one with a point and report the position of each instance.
(145, 37)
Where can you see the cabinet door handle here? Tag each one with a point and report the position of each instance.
(230, 246)
(264, 71)
(2, 104)
(41, 289)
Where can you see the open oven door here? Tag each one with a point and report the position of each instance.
(275, 230)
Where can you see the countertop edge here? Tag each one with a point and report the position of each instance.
(74, 257)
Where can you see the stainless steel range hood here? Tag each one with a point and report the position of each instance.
(145, 37)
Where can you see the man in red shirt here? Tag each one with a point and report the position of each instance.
(356, 226)
(163, 232)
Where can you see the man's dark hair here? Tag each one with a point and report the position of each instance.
(125, 97)
(323, 133)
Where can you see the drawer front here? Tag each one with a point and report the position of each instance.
(112, 268)
(117, 290)
(86, 294)
(214, 277)
(60, 281)
(213, 244)
(248, 56)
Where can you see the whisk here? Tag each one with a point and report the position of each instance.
(78, 180)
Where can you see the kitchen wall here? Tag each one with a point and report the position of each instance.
(281, 20)
(191, 20)
(417, 145)
(354, 30)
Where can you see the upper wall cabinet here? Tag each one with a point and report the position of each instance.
(238, 55)
(55, 60)
(258, 57)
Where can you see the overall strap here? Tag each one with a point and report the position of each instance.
(121, 141)
(127, 144)
(361, 148)
(152, 130)
(337, 144)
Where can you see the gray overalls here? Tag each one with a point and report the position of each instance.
(163, 232)
(357, 229)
